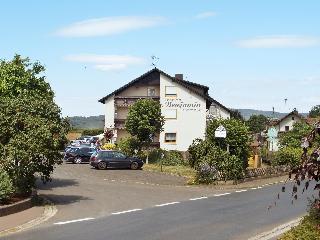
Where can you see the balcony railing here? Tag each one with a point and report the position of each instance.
(128, 101)
(119, 123)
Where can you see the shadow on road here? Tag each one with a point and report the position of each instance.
(59, 199)
(56, 183)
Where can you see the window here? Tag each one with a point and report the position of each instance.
(170, 113)
(170, 137)
(292, 118)
(286, 128)
(151, 92)
(171, 91)
(119, 155)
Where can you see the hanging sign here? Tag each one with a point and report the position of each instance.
(220, 132)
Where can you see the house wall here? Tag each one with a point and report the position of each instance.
(190, 122)
(288, 122)
(139, 91)
(215, 111)
(122, 112)
(109, 112)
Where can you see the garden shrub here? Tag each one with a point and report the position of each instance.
(6, 187)
(173, 158)
(218, 164)
(206, 174)
(289, 156)
(92, 132)
(128, 145)
(108, 146)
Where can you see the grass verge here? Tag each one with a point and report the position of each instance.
(183, 171)
(306, 230)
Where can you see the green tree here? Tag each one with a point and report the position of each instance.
(257, 123)
(315, 111)
(236, 114)
(294, 137)
(237, 137)
(145, 120)
(32, 129)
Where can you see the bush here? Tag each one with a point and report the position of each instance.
(129, 145)
(6, 187)
(92, 132)
(108, 146)
(289, 156)
(170, 158)
(206, 174)
(215, 160)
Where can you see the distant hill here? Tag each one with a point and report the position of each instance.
(246, 113)
(92, 122)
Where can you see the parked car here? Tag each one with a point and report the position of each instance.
(79, 154)
(114, 159)
(93, 139)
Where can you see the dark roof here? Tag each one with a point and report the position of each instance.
(294, 112)
(277, 121)
(184, 83)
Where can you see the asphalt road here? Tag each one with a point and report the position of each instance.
(151, 211)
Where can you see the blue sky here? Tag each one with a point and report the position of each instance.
(252, 54)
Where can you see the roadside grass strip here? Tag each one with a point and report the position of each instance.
(74, 221)
(127, 211)
(166, 204)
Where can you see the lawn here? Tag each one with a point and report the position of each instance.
(183, 171)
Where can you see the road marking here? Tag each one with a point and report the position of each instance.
(73, 221)
(253, 188)
(127, 211)
(113, 180)
(259, 187)
(199, 198)
(221, 194)
(243, 190)
(166, 204)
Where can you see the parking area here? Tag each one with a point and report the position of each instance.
(80, 191)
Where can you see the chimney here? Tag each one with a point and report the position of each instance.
(179, 76)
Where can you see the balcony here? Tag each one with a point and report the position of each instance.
(128, 101)
(119, 123)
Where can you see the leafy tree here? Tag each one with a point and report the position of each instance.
(290, 156)
(236, 114)
(237, 137)
(257, 123)
(6, 188)
(32, 129)
(315, 111)
(145, 120)
(293, 138)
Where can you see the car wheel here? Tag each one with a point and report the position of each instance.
(78, 160)
(102, 165)
(134, 166)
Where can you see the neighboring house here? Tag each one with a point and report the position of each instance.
(184, 105)
(279, 126)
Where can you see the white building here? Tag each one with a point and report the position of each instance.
(282, 125)
(185, 106)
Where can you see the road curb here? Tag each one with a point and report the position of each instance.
(49, 211)
(277, 231)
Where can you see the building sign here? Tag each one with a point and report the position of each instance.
(183, 105)
(220, 132)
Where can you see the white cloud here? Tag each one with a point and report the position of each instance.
(106, 62)
(109, 26)
(279, 41)
(205, 15)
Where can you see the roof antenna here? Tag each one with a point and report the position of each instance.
(154, 60)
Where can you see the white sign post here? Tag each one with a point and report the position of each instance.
(220, 132)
